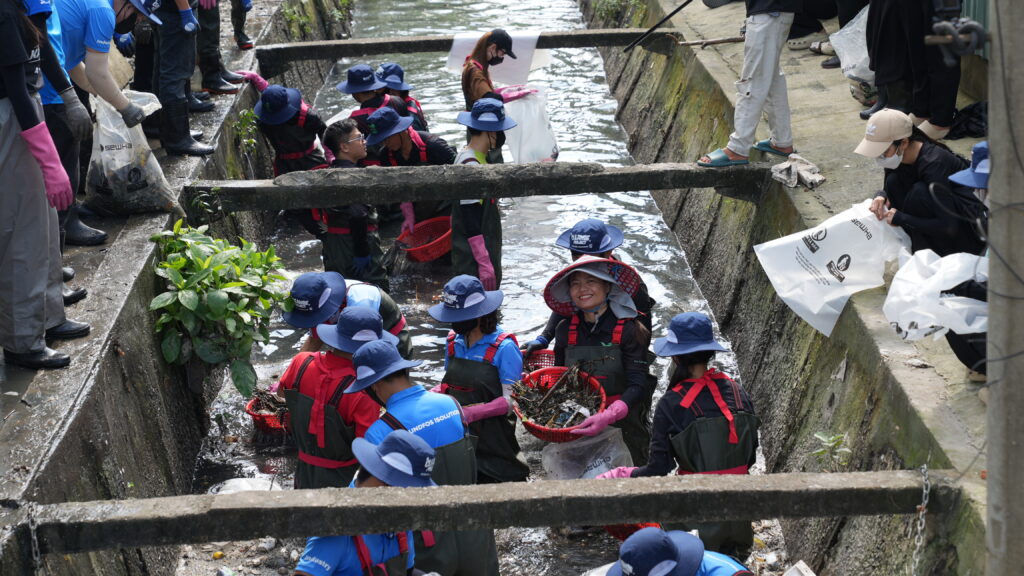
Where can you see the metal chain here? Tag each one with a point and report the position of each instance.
(37, 561)
(926, 487)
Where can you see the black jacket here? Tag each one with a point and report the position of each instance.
(762, 6)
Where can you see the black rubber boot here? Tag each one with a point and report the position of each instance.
(201, 96)
(231, 77)
(174, 132)
(78, 233)
(214, 83)
(195, 105)
(151, 127)
(883, 100)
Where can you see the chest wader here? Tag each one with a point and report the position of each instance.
(719, 445)
(463, 553)
(604, 362)
(463, 261)
(295, 146)
(338, 247)
(470, 382)
(323, 438)
(394, 566)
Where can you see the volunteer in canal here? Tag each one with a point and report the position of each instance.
(655, 552)
(393, 75)
(704, 424)
(370, 93)
(482, 362)
(490, 50)
(402, 460)
(436, 418)
(601, 332)
(476, 224)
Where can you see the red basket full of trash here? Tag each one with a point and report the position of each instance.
(267, 416)
(429, 240)
(623, 531)
(544, 379)
(538, 359)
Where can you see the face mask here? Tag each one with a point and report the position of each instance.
(890, 163)
(464, 327)
(495, 61)
(127, 25)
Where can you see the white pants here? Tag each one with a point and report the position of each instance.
(762, 85)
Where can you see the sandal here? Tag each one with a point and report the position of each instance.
(804, 42)
(824, 47)
(766, 146)
(719, 159)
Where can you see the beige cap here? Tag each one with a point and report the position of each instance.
(884, 127)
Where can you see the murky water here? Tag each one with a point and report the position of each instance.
(583, 115)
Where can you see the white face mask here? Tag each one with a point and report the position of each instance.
(890, 163)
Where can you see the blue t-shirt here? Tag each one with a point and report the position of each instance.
(508, 360)
(434, 417)
(47, 93)
(84, 24)
(337, 555)
(715, 564)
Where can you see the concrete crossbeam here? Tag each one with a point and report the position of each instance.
(330, 188)
(85, 526)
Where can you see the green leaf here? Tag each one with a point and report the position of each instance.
(175, 277)
(189, 299)
(163, 300)
(234, 285)
(189, 321)
(243, 375)
(245, 316)
(230, 323)
(218, 302)
(211, 352)
(252, 280)
(171, 346)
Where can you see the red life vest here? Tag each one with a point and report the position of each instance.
(366, 560)
(370, 109)
(417, 142)
(709, 382)
(492, 349)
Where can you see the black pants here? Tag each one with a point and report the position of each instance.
(936, 221)
(208, 40)
(935, 93)
(969, 349)
(175, 58)
(67, 149)
(808, 20)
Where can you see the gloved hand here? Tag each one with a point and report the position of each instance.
(620, 472)
(77, 117)
(188, 21)
(40, 145)
(255, 79)
(207, 4)
(360, 264)
(410, 217)
(132, 114)
(496, 407)
(595, 424)
(485, 270)
(125, 44)
(539, 343)
(246, 5)
(440, 388)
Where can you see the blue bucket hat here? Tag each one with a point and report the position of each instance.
(402, 459)
(385, 122)
(356, 326)
(464, 298)
(360, 78)
(488, 115)
(590, 236)
(977, 175)
(391, 74)
(278, 104)
(375, 361)
(317, 297)
(654, 552)
(146, 8)
(688, 332)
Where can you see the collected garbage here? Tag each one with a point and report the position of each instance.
(269, 413)
(851, 45)
(557, 397)
(798, 170)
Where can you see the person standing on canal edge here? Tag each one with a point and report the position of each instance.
(482, 362)
(476, 224)
(761, 87)
(490, 50)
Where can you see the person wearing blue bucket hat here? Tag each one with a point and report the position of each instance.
(291, 126)
(482, 361)
(704, 424)
(655, 552)
(437, 419)
(976, 176)
(402, 460)
(392, 74)
(370, 92)
(476, 224)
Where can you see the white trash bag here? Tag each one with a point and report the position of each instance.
(916, 305)
(586, 457)
(124, 176)
(816, 271)
(851, 46)
(533, 138)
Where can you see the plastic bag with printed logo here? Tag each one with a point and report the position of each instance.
(586, 457)
(816, 271)
(919, 305)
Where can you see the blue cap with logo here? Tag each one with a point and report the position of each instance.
(487, 115)
(385, 122)
(356, 326)
(375, 361)
(402, 459)
(317, 296)
(360, 78)
(590, 236)
(391, 74)
(147, 7)
(654, 552)
(278, 104)
(977, 175)
(688, 332)
(464, 298)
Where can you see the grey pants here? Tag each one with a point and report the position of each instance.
(30, 264)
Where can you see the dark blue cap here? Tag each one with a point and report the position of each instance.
(402, 459)
(147, 7)
(385, 122)
(393, 75)
(278, 104)
(590, 236)
(317, 296)
(654, 552)
(375, 361)
(977, 175)
(360, 78)
(464, 298)
(356, 326)
(688, 332)
(488, 115)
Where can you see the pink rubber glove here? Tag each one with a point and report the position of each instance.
(55, 178)
(207, 4)
(484, 268)
(441, 388)
(514, 92)
(595, 424)
(496, 407)
(329, 156)
(620, 472)
(410, 217)
(255, 79)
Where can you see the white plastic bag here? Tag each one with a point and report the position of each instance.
(916, 306)
(851, 46)
(533, 138)
(586, 457)
(816, 271)
(124, 176)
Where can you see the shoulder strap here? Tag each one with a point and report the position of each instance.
(492, 350)
(709, 382)
(417, 141)
(340, 390)
(573, 329)
(617, 333)
(365, 560)
(303, 110)
(403, 543)
(302, 370)
(392, 421)
(361, 112)
(451, 343)
(386, 100)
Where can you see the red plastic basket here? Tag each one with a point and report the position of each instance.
(263, 421)
(537, 360)
(623, 531)
(543, 379)
(429, 240)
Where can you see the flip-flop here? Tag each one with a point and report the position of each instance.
(719, 159)
(766, 146)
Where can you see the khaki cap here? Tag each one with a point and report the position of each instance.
(884, 127)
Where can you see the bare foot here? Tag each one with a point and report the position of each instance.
(731, 155)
